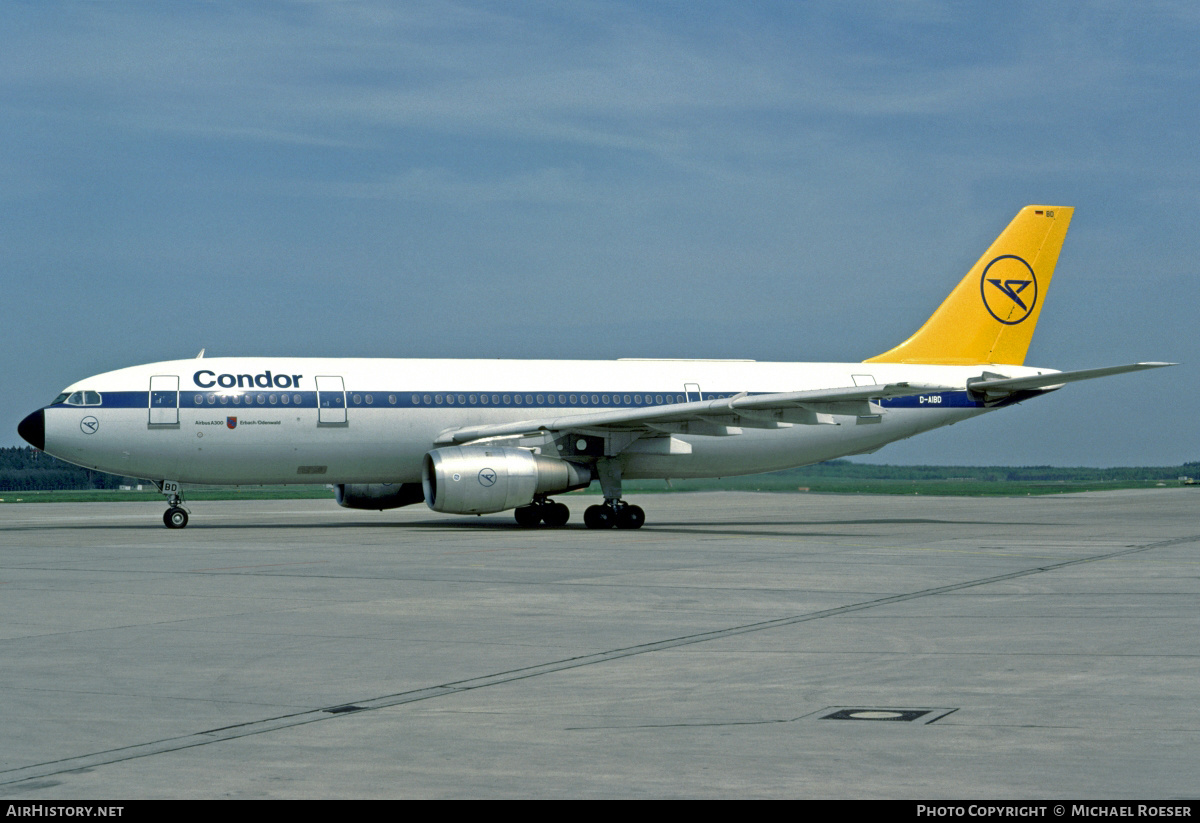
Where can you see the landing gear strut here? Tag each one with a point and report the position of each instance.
(554, 515)
(175, 517)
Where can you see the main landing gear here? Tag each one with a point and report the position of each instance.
(175, 517)
(614, 513)
(554, 515)
(611, 514)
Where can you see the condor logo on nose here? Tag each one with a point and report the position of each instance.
(206, 379)
(1009, 288)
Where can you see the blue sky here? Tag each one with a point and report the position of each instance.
(780, 181)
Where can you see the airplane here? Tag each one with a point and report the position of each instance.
(485, 436)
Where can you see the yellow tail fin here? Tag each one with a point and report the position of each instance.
(991, 314)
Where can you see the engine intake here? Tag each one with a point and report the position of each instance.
(484, 479)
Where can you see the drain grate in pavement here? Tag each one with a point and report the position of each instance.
(927, 716)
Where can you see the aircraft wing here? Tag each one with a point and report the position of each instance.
(706, 416)
(1052, 380)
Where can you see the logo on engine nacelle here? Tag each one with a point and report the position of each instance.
(487, 477)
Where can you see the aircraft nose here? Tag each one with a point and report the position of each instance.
(33, 429)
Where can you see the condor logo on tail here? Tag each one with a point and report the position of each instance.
(1009, 288)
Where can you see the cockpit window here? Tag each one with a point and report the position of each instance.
(80, 398)
(59, 399)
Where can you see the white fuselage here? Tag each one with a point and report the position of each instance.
(260, 420)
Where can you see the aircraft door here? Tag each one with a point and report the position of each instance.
(331, 400)
(693, 391)
(164, 400)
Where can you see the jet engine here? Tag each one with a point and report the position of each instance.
(484, 479)
(378, 496)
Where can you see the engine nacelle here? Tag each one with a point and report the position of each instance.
(378, 496)
(484, 479)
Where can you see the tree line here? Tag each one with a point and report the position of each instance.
(1012, 474)
(25, 469)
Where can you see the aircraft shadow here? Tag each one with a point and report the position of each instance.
(730, 528)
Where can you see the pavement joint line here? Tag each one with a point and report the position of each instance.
(249, 728)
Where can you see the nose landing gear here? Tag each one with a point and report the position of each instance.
(175, 517)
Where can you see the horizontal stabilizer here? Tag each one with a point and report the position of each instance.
(1054, 379)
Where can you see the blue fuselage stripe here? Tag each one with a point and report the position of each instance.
(367, 400)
